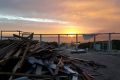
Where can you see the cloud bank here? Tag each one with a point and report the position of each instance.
(8, 17)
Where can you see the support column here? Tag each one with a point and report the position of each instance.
(40, 38)
(94, 41)
(58, 40)
(19, 35)
(109, 42)
(76, 38)
(1, 34)
(76, 41)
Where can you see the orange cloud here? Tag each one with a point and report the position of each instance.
(86, 16)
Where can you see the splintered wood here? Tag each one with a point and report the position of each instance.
(26, 59)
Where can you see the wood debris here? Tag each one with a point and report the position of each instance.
(26, 59)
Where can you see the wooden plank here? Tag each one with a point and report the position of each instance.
(60, 63)
(87, 77)
(30, 37)
(10, 53)
(32, 75)
(17, 53)
(18, 65)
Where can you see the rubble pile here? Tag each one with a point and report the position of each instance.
(26, 59)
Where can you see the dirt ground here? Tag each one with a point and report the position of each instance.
(112, 72)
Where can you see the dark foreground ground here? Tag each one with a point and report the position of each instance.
(111, 72)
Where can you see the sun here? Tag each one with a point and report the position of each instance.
(71, 36)
(72, 32)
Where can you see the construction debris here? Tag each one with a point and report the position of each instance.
(25, 59)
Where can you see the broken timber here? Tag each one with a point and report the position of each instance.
(34, 60)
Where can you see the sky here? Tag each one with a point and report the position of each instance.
(60, 16)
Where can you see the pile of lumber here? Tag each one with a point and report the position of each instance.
(26, 59)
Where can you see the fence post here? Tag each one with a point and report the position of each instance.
(19, 34)
(1, 34)
(76, 41)
(58, 40)
(94, 41)
(40, 38)
(109, 42)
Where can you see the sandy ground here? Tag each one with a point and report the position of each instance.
(112, 72)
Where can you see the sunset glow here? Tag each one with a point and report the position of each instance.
(72, 31)
(60, 16)
(59, 39)
(71, 35)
